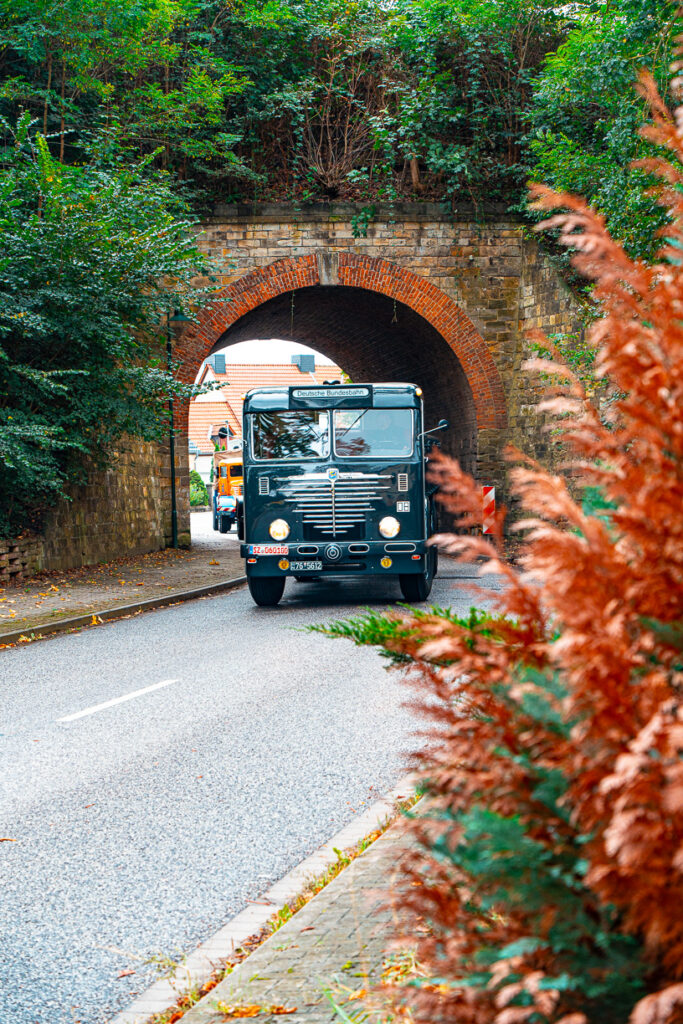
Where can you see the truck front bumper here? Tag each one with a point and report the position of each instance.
(379, 558)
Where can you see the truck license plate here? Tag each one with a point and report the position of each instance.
(306, 566)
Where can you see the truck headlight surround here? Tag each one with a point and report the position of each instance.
(389, 526)
(279, 529)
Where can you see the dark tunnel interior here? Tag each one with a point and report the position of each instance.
(373, 338)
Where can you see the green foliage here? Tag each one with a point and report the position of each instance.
(423, 99)
(198, 492)
(84, 252)
(446, 100)
(121, 78)
(586, 113)
(376, 629)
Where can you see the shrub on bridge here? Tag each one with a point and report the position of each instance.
(448, 100)
(548, 878)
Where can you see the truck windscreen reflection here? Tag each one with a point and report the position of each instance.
(373, 433)
(300, 434)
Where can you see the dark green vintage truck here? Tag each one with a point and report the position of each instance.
(334, 485)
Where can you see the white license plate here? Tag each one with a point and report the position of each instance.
(306, 566)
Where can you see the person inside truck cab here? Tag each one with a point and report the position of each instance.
(392, 431)
(374, 432)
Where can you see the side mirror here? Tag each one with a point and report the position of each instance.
(442, 425)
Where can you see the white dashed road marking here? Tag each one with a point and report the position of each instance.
(116, 700)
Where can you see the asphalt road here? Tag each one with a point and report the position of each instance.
(140, 828)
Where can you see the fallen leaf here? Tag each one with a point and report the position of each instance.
(253, 1010)
(238, 1011)
(4, 839)
(124, 974)
(214, 562)
(359, 994)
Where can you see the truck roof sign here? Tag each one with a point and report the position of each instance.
(330, 393)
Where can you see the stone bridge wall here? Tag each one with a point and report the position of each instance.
(490, 272)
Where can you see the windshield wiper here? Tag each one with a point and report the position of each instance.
(352, 425)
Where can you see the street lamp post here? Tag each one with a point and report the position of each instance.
(177, 317)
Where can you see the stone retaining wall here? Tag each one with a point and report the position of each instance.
(123, 510)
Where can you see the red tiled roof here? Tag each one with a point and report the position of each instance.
(205, 418)
(240, 378)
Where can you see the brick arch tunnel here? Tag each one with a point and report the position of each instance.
(376, 320)
(372, 338)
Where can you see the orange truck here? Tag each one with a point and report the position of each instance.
(228, 489)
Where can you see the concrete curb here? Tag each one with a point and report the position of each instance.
(48, 629)
(200, 965)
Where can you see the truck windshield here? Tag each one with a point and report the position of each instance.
(373, 433)
(300, 434)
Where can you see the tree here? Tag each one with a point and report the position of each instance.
(122, 78)
(586, 112)
(198, 492)
(445, 100)
(89, 263)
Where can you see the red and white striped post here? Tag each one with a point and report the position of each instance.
(488, 496)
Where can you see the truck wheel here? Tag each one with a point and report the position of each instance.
(418, 586)
(224, 524)
(215, 520)
(266, 590)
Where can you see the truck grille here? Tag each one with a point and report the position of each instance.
(338, 509)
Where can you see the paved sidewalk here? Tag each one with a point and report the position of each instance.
(50, 597)
(338, 942)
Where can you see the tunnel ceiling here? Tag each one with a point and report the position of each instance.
(372, 338)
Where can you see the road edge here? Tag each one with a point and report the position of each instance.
(199, 966)
(48, 629)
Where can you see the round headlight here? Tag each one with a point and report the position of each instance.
(389, 527)
(279, 529)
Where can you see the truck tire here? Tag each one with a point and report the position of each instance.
(266, 590)
(418, 586)
(224, 524)
(215, 519)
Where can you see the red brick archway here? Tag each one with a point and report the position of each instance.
(354, 271)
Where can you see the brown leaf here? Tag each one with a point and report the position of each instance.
(228, 1010)
(124, 974)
